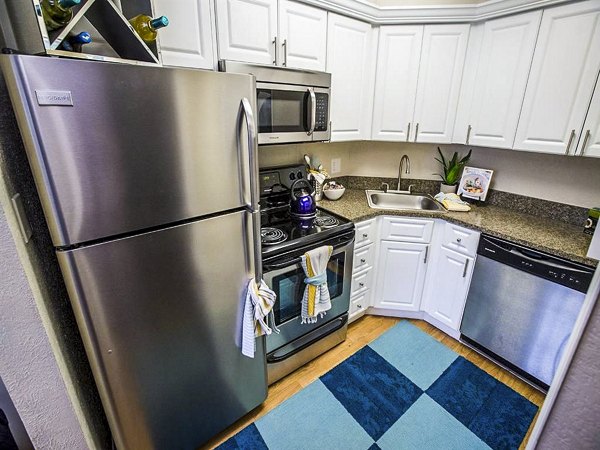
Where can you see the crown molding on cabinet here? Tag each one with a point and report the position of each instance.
(390, 15)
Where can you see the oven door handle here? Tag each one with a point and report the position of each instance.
(291, 262)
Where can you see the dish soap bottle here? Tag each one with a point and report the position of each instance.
(58, 13)
(145, 26)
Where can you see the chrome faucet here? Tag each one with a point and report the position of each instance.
(406, 169)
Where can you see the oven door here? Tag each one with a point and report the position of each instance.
(288, 284)
(288, 113)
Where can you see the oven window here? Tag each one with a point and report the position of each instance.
(289, 287)
(281, 111)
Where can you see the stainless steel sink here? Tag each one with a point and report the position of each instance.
(402, 200)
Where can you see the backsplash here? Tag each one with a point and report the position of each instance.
(562, 179)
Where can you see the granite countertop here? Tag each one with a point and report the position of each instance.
(551, 236)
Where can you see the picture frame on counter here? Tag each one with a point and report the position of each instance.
(475, 183)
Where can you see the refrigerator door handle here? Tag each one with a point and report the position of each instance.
(253, 170)
(252, 151)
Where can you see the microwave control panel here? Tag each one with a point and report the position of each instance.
(322, 118)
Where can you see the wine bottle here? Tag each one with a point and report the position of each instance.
(75, 43)
(58, 13)
(145, 26)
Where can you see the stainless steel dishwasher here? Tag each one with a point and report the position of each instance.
(521, 307)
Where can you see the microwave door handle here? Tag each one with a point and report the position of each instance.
(313, 111)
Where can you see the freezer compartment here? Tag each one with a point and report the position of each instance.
(117, 148)
(160, 314)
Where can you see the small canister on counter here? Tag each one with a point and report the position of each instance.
(592, 221)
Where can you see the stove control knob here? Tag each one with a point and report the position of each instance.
(292, 176)
(299, 175)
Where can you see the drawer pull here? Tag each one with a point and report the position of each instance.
(458, 240)
(365, 235)
(358, 305)
(363, 260)
(465, 270)
(361, 284)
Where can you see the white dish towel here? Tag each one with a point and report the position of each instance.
(257, 309)
(316, 300)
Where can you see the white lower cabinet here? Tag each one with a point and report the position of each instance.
(363, 264)
(447, 288)
(400, 277)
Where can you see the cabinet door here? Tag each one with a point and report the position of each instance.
(247, 30)
(189, 43)
(450, 276)
(396, 81)
(303, 34)
(400, 275)
(350, 60)
(589, 143)
(563, 75)
(440, 75)
(500, 54)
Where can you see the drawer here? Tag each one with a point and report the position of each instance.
(364, 257)
(460, 239)
(361, 282)
(359, 303)
(407, 229)
(365, 233)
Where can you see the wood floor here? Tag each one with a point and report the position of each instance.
(361, 333)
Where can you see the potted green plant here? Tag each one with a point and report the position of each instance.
(452, 171)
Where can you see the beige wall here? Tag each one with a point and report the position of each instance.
(564, 179)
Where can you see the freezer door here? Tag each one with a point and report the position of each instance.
(160, 314)
(116, 148)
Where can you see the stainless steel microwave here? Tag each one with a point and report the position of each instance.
(292, 105)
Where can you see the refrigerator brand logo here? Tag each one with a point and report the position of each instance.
(62, 98)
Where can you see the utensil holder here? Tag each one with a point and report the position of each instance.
(318, 188)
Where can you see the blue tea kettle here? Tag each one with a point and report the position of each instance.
(303, 205)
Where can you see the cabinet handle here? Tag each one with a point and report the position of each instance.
(426, 252)
(365, 235)
(416, 131)
(274, 42)
(408, 132)
(361, 284)
(363, 260)
(459, 240)
(284, 48)
(465, 269)
(585, 141)
(570, 142)
(358, 305)
(468, 134)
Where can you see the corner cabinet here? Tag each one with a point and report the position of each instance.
(496, 70)
(351, 54)
(190, 41)
(563, 75)
(419, 73)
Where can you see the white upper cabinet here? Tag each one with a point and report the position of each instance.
(303, 36)
(419, 71)
(247, 30)
(589, 143)
(564, 72)
(396, 81)
(440, 75)
(496, 70)
(188, 42)
(351, 50)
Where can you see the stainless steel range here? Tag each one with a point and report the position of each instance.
(284, 240)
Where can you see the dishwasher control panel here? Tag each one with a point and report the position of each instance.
(561, 271)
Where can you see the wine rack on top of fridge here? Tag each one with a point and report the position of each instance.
(113, 38)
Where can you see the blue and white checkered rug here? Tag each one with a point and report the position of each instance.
(403, 391)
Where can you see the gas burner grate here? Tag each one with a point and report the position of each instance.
(325, 221)
(272, 236)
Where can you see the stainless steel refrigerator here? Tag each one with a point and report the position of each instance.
(147, 178)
